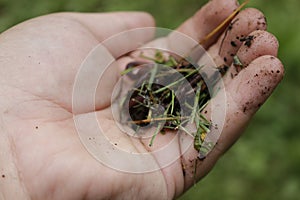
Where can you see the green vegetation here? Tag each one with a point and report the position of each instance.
(264, 163)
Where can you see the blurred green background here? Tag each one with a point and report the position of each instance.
(265, 162)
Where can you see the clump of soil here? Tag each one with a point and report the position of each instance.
(167, 94)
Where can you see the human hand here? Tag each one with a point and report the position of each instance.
(39, 62)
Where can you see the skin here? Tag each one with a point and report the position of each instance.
(41, 154)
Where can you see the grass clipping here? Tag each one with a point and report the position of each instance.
(169, 93)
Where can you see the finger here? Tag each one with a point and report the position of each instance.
(231, 40)
(245, 94)
(241, 26)
(261, 43)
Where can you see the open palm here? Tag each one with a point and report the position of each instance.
(39, 62)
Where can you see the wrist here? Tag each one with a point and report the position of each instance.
(11, 186)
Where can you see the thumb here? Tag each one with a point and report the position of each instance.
(106, 25)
